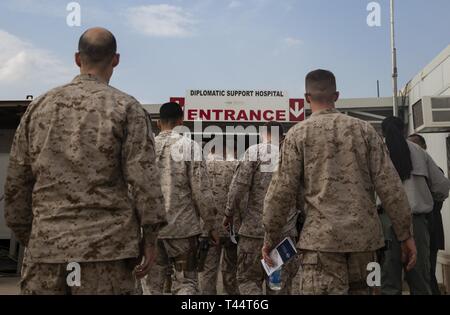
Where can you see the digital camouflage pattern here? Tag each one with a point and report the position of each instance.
(220, 174)
(178, 256)
(251, 276)
(223, 258)
(96, 278)
(335, 273)
(185, 186)
(252, 179)
(338, 163)
(248, 180)
(77, 149)
(250, 273)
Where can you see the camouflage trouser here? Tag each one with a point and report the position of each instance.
(105, 278)
(335, 273)
(297, 278)
(208, 278)
(179, 255)
(250, 273)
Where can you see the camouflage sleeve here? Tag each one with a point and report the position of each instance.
(388, 186)
(283, 190)
(19, 187)
(201, 190)
(141, 173)
(240, 187)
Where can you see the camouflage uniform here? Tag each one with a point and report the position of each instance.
(75, 152)
(253, 177)
(188, 199)
(112, 277)
(338, 163)
(220, 174)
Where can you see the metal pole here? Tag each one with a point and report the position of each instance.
(378, 88)
(394, 62)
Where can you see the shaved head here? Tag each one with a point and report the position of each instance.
(320, 85)
(97, 47)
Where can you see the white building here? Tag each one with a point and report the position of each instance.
(432, 119)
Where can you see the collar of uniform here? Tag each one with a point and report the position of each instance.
(326, 111)
(165, 133)
(86, 77)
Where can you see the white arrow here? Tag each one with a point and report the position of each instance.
(297, 112)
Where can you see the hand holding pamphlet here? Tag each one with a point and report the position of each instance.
(280, 255)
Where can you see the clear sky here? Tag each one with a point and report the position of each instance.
(169, 46)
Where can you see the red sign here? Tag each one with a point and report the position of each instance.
(296, 109)
(179, 100)
(236, 115)
(295, 113)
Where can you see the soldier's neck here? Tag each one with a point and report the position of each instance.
(164, 129)
(318, 107)
(102, 76)
(169, 126)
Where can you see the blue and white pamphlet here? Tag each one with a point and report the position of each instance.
(280, 255)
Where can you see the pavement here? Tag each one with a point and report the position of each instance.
(9, 285)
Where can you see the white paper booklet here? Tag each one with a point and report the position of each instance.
(280, 255)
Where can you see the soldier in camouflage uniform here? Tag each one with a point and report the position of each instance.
(188, 199)
(76, 150)
(338, 163)
(253, 177)
(220, 171)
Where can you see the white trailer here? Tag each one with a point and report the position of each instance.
(429, 114)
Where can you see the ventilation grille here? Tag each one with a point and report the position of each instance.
(432, 114)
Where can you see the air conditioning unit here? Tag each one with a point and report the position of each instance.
(431, 115)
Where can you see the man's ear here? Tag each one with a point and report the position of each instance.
(158, 124)
(308, 98)
(116, 60)
(78, 59)
(337, 95)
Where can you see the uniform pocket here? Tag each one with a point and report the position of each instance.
(309, 258)
(309, 262)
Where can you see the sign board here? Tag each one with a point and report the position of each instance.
(240, 106)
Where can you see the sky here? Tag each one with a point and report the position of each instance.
(170, 46)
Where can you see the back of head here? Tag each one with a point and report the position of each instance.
(419, 140)
(393, 131)
(170, 113)
(275, 128)
(97, 47)
(320, 86)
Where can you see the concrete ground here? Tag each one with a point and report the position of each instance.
(9, 285)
